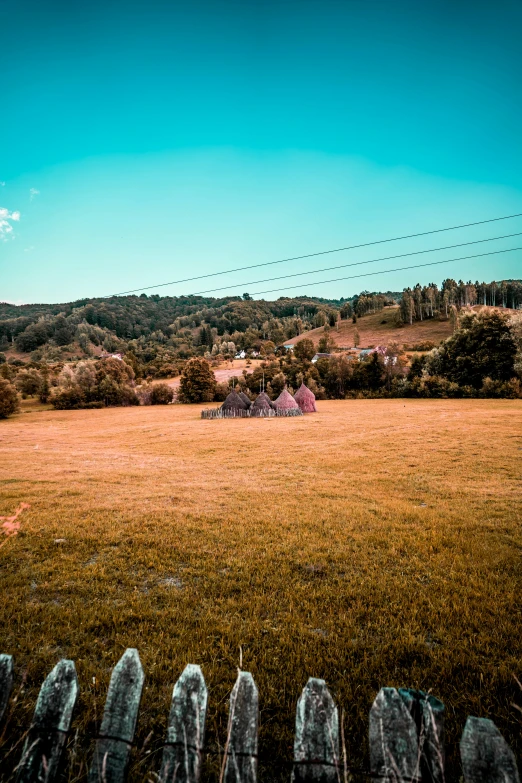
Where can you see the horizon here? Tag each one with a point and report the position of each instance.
(150, 144)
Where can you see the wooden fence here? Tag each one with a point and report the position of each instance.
(406, 732)
(240, 413)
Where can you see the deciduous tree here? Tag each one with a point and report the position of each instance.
(197, 383)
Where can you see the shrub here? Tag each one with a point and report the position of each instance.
(69, 398)
(28, 382)
(417, 366)
(222, 391)
(161, 394)
(424, 345)
(113, 393)
(9, 401)
(501, 389)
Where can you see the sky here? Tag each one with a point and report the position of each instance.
(145, 143)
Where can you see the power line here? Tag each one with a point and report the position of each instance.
(320, 253)
(356, 263)
(385, 271)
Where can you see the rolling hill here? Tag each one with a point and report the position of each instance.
(380, 329)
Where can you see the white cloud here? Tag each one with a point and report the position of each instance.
(6, 218)
(33, 193)
(28, 249)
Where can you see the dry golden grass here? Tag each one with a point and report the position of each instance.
(373, 332)
(380, 329)
(375, 543)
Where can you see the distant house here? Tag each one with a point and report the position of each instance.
(112, 356)
(241, 355)
(320, 356)
(381, 350)
(288, 347)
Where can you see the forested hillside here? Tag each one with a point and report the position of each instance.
(162, 332)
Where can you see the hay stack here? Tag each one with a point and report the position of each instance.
(261, 406)
(264, 396)
(234, 402)
(305, 399)
(246, 399)
(285, 401)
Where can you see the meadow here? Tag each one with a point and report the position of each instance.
(379, 329)
(377, 542)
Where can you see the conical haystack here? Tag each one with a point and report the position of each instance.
(305, 399)
(285, 401)
(261, 406)
(246, 399)
(234, 402)
(264, 396)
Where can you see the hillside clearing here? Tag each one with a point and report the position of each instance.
(374, 543)
(379, 329)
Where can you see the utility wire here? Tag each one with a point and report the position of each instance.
(355, 263)
(320, 253)
(385, 271)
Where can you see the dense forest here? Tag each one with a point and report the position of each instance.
(161, 331)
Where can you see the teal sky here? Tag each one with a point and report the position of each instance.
(147, 142)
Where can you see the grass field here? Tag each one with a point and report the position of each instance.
(377, 542)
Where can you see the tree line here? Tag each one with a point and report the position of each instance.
(483, 358)
(429, 301)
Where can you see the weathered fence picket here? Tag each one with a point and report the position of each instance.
(394, 745)
(406, 732)
(6, 681)
(316, 744)
(241, 746)
(486, 756)
(114, 743)
(46, 738)
(428, 715)
(183, 749)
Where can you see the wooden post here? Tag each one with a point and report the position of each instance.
(316, 744)
(6, 681)
(45, 741)
(486, 756)
(181, 761)
(241, 746)
(113, 746)
(394, 748)
(428, 715)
